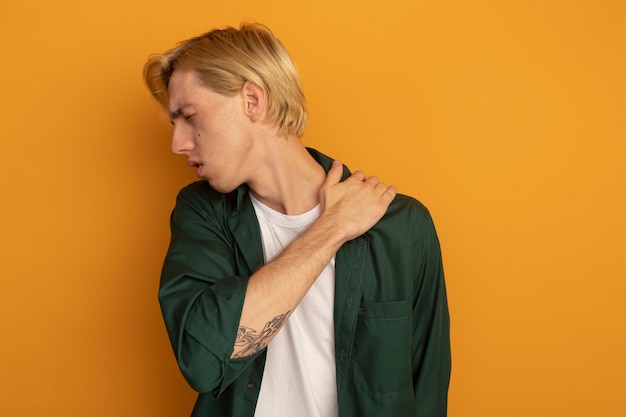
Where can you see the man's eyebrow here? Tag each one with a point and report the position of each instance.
(175, 114)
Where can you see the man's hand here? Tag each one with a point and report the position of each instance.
(354, 205)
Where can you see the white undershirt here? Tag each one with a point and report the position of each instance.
(299, 376)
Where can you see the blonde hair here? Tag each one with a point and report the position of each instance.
(225, 59)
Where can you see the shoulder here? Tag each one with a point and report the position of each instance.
(406, 220)
(200, 199)
(406, 208)
(199, 192)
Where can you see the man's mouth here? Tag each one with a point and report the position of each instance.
(197, 165)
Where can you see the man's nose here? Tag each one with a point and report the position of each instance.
(181, 141)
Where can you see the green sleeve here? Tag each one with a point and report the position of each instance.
(201, 295)
(431, 332)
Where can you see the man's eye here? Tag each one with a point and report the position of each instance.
(188, 116)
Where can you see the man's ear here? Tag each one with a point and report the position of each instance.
(255, 100)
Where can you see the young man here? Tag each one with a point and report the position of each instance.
(291, 287)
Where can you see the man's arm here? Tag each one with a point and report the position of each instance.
(348, 209)
(202, 293)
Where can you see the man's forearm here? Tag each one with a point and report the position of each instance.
(276, 289)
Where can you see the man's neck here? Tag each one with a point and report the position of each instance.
(289, 178)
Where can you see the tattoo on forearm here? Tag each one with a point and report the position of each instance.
(252, 342)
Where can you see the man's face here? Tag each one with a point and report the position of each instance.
(211, 130)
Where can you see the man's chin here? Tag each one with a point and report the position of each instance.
(220, 187)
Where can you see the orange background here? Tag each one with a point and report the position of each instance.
(505, 118)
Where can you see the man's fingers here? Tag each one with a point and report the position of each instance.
(389, 194)
(334, 174)
(381, 187)
(358, 175)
